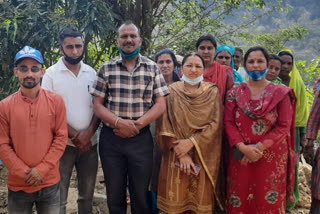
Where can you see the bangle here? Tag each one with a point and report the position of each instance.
(74, 136)
(116, 123)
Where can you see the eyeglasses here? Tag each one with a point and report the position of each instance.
(226, 57)
(34, 69)
(77, 46)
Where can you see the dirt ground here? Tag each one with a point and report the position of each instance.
(100, 204)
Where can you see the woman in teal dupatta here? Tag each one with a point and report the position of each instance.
(224, 55)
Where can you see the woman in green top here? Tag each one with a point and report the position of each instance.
(274, 69)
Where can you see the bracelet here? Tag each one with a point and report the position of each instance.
(74, 136)
(116, 123)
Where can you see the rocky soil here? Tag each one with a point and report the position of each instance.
(100, 205)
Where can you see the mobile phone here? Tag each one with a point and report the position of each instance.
(191, 169)
(237, 155)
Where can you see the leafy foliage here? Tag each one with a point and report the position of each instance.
(164, 23)
(274, 42)
(309, 73)
(190, 19)
(37, 23)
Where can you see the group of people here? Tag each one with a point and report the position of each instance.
(189, 138)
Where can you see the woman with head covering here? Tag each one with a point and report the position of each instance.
(189, 136)
(259, 123)
(214, 72)
(224, 55)
(291, 77)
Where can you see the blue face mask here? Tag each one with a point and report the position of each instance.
(256, 75)
(192, 81)
(131, 55)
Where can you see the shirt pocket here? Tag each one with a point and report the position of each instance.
(146, 89)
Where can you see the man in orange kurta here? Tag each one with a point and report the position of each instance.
(33, 136)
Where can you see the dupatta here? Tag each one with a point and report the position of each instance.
(297, 84)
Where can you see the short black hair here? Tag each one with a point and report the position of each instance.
(207, 37)
(256, 48)
(275, 57)
(128, 22)
(68, 32)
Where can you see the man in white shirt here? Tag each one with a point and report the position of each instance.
(72, 79)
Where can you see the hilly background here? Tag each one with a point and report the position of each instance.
(301, 12)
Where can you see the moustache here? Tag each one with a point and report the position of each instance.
(28, 78)
(128, 44)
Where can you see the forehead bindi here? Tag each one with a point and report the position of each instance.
(255, 55)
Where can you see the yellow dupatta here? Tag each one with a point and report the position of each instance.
(299, 88)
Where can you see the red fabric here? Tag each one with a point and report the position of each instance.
(222, 76)
(262, 186)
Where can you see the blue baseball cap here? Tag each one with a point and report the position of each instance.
(28, 52)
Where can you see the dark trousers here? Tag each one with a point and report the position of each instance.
(47, 201)
(86, 164)
(126, 158)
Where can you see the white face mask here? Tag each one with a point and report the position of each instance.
(194, 81)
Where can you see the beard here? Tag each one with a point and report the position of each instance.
(29, 83)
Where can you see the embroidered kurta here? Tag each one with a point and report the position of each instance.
(196, 116)
(261, 186)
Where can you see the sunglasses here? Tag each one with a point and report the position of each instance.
(34, 69)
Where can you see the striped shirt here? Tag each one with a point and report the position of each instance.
(129, 95)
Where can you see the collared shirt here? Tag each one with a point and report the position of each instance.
(33, 134)
(75, 92)
(129, 94)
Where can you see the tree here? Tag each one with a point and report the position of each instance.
(164, 22)
(309, 71)
(38, 23)
(276, 41)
